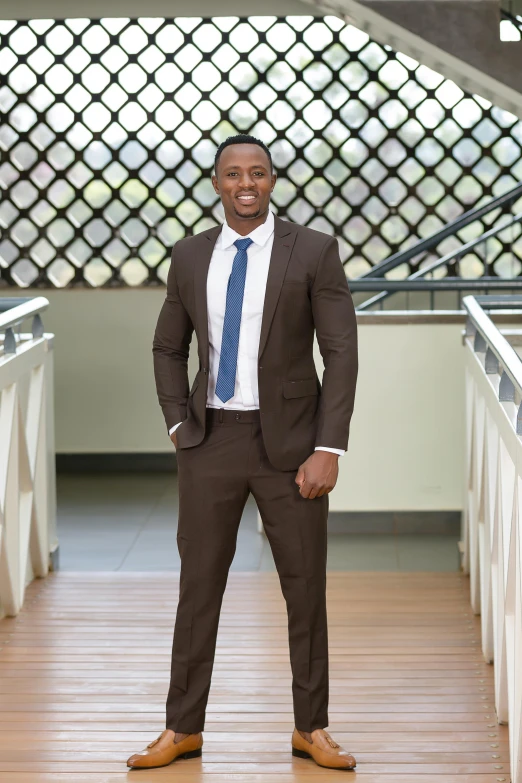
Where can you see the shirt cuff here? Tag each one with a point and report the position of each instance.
(175, 427)
(340, 452)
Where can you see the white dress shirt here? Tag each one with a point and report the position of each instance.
(246, 391)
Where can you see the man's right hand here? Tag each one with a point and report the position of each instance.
(173, 439)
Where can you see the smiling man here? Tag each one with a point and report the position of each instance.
(256, 420)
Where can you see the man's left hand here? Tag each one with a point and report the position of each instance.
(318, 475)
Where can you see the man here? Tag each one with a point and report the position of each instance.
(255, 420)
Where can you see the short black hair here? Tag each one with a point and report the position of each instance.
(241, 138)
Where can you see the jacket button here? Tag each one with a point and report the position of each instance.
(260, 366)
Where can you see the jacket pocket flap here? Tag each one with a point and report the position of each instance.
(300, 388)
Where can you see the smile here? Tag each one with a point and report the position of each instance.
(246, 199)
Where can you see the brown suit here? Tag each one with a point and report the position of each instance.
(223, 456)
(306, 289)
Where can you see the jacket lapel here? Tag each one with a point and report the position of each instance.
(284, 238)
(202, 257)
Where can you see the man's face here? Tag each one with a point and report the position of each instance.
(244, 181)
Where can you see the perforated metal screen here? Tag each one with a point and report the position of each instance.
(109, 130)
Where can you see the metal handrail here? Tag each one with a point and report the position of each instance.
(443, 284)
(447, 259)
(500, 355)
(402, 256)
(15, 310)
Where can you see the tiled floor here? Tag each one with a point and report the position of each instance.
(116, 522)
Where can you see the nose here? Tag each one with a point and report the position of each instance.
(246, 181)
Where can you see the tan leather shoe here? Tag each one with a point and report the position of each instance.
(323, 750)
(164, 750)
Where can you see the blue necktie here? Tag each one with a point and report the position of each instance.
(226, 379)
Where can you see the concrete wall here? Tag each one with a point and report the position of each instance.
(406, 445)
(94, 9)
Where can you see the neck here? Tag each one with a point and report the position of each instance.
(244, 226)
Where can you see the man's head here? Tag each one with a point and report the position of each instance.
(244, 179)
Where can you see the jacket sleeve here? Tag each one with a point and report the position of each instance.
(336, 329)
(170, 350)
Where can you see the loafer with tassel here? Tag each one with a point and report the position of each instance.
(164, 750)
(324, 750)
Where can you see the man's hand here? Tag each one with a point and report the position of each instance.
(318, 475)
(173, 439)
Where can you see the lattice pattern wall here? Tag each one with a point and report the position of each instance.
(110, 127)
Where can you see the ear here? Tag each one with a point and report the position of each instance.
(215, 183)
(274, 180)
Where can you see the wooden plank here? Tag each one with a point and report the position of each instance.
(411, 696)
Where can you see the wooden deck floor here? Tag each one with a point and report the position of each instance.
(84, 673)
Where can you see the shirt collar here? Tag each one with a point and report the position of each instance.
(259, 235)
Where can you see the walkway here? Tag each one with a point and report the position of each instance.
(84, 675)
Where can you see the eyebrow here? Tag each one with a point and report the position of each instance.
(255, 166)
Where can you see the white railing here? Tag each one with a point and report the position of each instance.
(492, 540)
(27, 459)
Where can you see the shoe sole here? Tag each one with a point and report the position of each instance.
(191, 754)
(302, 754)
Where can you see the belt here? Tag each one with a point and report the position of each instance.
(231, 416)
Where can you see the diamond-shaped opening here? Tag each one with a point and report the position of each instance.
(60, 273)
(356, 230)
(374, 133)
(24, 232)
(8, 214)
(152, 252)
(508, 266)
(78, 252)
(188, 57)
(97, 272)
(355, 191)
(170, 38)
(467, 113)
(42, 213)
(395, 230)
(151, 58)
(22, 79)
(373, 56)
(115, 252)
(79, 213)
(24, 194)
(468, 190)
(280, 115)
(170, 231)
(151, 174)
(430, 190)
(60, 232)
(206, 115)
(374, 210)
(338, 211)
(134, 272)
(376, 249)
(97, 232)
(97, 193)
(318, 191)
(470, 267)
(42, 252)
(280, 76)
(24, 272)
(133, 193)
(300, 211)
(486, 171)
(188, 212)
(448, 171)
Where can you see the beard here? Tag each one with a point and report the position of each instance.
(253, 215)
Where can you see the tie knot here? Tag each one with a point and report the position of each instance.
(243, 244)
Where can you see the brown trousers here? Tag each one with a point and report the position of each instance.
(215, 479)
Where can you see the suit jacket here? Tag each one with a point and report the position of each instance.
(306, 290)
